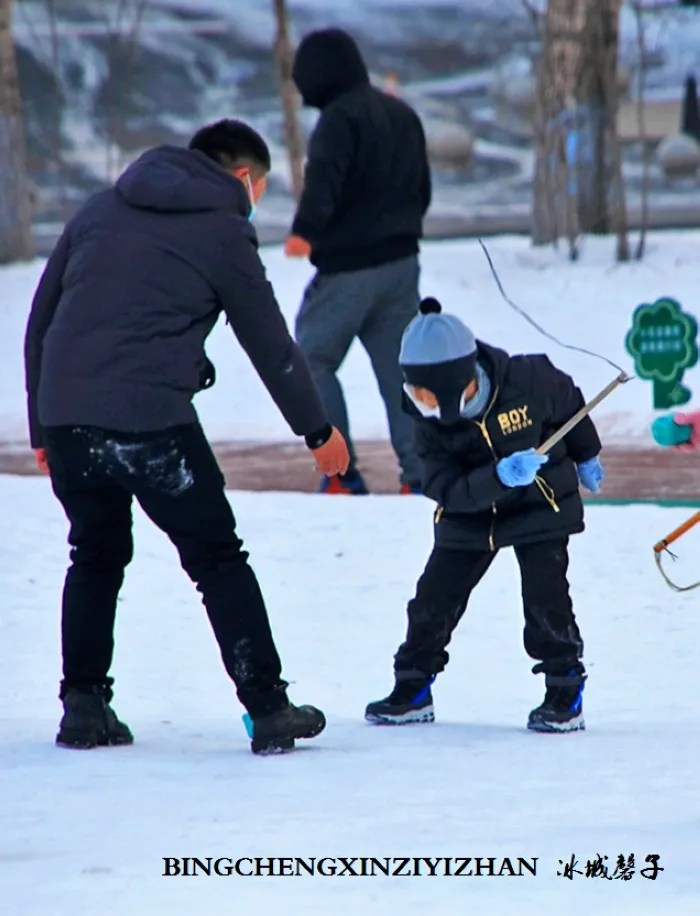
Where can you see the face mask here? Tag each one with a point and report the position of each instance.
(251, 194)
(431, 412)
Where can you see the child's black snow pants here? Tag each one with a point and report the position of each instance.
(551, 634)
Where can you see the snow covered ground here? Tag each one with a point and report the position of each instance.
(85, 833)
(588, 304)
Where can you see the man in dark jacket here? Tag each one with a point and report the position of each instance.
(114, 355)
(366, 190)
(480, 416)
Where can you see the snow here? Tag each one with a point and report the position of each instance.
(85, 833)
(588, 304)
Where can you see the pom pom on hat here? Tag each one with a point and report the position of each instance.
(430, 306)
(434, 337)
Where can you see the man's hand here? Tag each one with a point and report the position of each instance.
(296, 247)
(41, 460)
(332, 457)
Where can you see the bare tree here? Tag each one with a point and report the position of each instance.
(555, 105)
(641, 126)
(284, 56)
(123, 42)
(578, 183)
(16, 242)
(122, 24)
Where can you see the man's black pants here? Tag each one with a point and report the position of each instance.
(551, 634)
(175, 477)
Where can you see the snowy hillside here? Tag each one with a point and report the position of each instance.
(588, 304)
(92, 102)
(85, 833)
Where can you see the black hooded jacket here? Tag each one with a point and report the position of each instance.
(530, 400)
(133, 288)
(367, 181)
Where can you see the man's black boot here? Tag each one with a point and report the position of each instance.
(89, 721)
(277, 731)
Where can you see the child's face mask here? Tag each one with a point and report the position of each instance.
(427, 403)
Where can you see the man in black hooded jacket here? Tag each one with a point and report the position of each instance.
(114, 354)
(366, 190)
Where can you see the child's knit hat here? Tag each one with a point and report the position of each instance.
(439, 352)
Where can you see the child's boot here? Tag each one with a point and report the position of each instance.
(562, 708)
(410, 701)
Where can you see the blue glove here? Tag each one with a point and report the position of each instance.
(591, 474)
(520, 469)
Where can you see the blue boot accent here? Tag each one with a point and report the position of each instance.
(350, 484)
(409, 702)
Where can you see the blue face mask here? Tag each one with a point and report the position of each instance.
(253, 205)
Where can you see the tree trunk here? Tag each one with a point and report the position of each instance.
(601, 187)
(578, 183)
(16, 243)
(284, 57)
(555, 105)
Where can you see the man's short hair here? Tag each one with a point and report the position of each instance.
(233, 144)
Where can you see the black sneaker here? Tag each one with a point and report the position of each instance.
(562, 708)
(410, 702)
(89, 721)
(276, 733)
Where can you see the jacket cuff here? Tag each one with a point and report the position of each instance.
(317, 439)
(303, 230)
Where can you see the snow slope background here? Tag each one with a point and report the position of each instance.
(85, 833)
(91, 108)
(588, 304)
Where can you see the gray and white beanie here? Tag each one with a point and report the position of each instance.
(439, 352)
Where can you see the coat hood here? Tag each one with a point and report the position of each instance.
(327, 64)
(171, 179)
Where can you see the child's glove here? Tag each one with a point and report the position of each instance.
(520, 469)
(41, 460)
(296, 247)
(591, 474)
(693, 421)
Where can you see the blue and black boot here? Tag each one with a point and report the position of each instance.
(410, 702)
(349, 484)
(562, 708)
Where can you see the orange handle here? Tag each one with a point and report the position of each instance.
(677, 532)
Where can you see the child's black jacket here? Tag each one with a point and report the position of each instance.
(530, 399)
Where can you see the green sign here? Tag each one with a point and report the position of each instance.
(662, 343)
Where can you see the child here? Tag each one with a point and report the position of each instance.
(480, 414)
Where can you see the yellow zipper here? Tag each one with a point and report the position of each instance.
(485, 433)
(547, 492)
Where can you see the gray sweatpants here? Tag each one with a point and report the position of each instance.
(374, 305)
